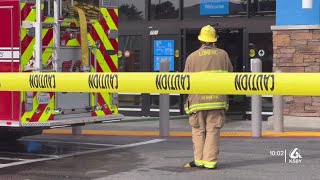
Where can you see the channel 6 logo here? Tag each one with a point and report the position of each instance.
(295, 156)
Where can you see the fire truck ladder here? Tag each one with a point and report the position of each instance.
(38, 36)
(56, 36)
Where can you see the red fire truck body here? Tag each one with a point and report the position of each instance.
(62, 50)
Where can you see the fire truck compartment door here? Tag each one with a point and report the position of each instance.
(9, 60)
(71, 103)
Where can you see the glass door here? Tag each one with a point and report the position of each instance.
(165, 47)
(130, 60)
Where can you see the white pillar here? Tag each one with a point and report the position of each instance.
(38, 44)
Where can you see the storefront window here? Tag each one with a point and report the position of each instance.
(261, 44)
(174, 102)
(131, 10)
(263, 7)
(206, 8)
(129, 100)
(130, 59)
(238, 7)
(164, 9)
(130, 53)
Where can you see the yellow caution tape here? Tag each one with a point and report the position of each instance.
(179, 83)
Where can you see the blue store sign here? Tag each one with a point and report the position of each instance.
(295, 14)
(214, 7)
(163, 50)
(163, 47)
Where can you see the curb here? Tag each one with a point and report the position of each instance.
(293, 134)
(142, 119)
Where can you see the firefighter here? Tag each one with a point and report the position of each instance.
(207, 111)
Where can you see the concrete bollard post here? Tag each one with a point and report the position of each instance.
(164, 105)
(77, 130)
(278, 119)
(256, 103)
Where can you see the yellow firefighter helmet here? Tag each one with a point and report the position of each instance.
(208, 34)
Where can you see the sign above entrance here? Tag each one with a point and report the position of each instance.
(214, 7)
(164, 47)
(163, 50)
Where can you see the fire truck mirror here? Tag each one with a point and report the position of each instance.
(31, 32)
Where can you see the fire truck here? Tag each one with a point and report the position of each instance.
(57, 36)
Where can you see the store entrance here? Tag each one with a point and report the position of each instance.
(232, 41)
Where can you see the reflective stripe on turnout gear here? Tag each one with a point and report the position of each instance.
(198, 162)
(214, 71)
(209, 164)
(206, 106)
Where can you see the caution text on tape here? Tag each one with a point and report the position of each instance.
(177, 83)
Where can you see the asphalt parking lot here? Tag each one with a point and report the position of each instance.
(113, 157)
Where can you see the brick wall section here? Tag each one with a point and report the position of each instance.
(298, 51)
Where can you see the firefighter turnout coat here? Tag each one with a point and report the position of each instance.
(209, 59)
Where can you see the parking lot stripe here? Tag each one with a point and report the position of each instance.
(68, 142)
(81, 153)
(113, 148)
(28, 154)
(12, 159)
(184, 134)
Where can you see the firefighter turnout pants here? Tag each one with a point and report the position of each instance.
(206, 127)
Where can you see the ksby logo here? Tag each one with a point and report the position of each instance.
(295, 156)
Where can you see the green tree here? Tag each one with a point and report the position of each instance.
(165, 10)
(129, 12)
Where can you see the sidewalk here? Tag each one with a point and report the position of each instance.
(179, 126)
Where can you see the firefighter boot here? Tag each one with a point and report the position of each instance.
(210, 165)
(196, 163)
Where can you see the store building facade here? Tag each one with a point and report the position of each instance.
(296, 41)
(147, 26)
